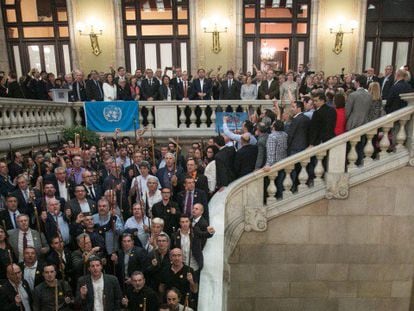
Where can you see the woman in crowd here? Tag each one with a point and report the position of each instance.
(248, 90)
(376, 110)
(339, 102)
(109, 88)
(166, 92)
(135, 90)
(289, 89)
(210, 170)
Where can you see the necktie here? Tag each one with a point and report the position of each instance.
(150, 82)
(25, 195)
(14, 219)
(99, 87)
(229, 83)
(91, 192)
(24, 240)
(185, 89)
(188, 204)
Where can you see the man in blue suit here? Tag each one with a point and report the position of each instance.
(201, 86)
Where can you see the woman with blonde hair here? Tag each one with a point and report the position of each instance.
(376, 110)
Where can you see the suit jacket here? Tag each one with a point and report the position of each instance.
(264, 89)
(200, 231)
(137, 262)
(38, 274)
(394, 102)
(178, 87)
(245, 160)
(15, 170)
(171, 221)
(53, 258)
(82, 91)
(224, 166)
(23, 206)
(94, 90)
(322, 126)
(261, 152)
(386, 85)
(196, 88)
(298, 134)
(230, 93)
(51, 227)
(39, 241)
(199, 196)
(74, 206)
(163, 92)
(150, 90)
(69, 185)
(6, 186)
(111, 293)
(6, 219)
(98, 193)
(136, 299)
(358, 105)
(196, 246)
(8, 293)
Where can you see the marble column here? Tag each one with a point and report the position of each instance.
(4, 60)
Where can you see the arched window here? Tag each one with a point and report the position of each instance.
(37, 35)
(275, 33)
(156, 34)
(389, 34)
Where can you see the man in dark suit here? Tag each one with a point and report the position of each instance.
(93, 192)
(150, 86)
(61, 258)
(11, 299)
(201, 181)
(63, 186)
(78, 92)
(80, 204)
(371, 77)
(269, 89)
(32, 268)
(394, 102)
(387, 81)
(298, 129)
(230, 88)
(16, 166)
(24, 196)
(128, 259)
(245, 159)
(262, 135)
(8, 216)
(98, 289)
(190, 196)
(94, 91)
(137, 293)
(322, 126)
(177, 84)
(224, 163)
(6, 184)
(200, 225)
(167, 210)
(201, 88)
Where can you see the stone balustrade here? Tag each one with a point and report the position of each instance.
(325, 171)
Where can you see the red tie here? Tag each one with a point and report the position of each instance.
(24, 240)
(188, 204)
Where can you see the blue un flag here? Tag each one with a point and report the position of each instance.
(108, 116)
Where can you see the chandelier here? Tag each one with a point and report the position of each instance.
(267, 52)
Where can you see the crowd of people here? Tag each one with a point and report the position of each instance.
(123, 224)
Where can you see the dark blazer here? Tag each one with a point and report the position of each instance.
(298, 134)
(98, 193)
(15, 170)
(53, 258)
(224, 166)
(112, 293)
(150, 91)
(82, 91)
(394, 102)
(199, 196)
(124, 93)
(38, 274)
(15, 90)
(6, 219)
(196, 246)
(51, 228)
(74, 206)
(178, 87)
(322, 125)
(264, 89)
(8, 293)
(245, 160)
(200, 231)
(23, 206)
(386, 86)
(69, 185)
(261, 154)
(230, 93)
(136, 299)
(171, 221)
(6, 186)
(163, 92)
(137, 262)
(196, 88)
(94, 91)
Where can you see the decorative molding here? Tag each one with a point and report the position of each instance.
(337, 185)
(255, 219)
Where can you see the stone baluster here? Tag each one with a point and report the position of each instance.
(183, 118)
(32, 118)
(385, 142)
(47, 117)
(13, 120)
(193, 117)
(319, 170)
(303, 176)
(271, 189)
(20, 121)
(6, 121)
(2, 131)
(26, 120)
(150, 117)
(369, 148)
(203, 117)
(78, 118)
(352, 154)
(38, 117)
(287, 182)
(213, 117)
(140, 118)
(401, 135)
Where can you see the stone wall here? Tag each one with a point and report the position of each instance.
(353, 254)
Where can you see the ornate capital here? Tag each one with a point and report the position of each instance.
(337, 185)
(255, 219)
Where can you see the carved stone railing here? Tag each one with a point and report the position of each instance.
(240, 206)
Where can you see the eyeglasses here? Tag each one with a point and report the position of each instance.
(165, 192)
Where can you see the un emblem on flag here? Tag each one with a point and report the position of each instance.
(112, 113)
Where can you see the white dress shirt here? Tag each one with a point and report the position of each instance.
(30, 274)
(98, 288)
(63, 190)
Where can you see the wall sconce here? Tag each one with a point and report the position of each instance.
(93, 34)
(216, 26)
(337, 29)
